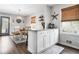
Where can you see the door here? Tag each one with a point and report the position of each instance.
(4, 25)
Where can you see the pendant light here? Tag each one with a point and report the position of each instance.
(19, 18)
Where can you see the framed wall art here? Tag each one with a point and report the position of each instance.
(33, 19)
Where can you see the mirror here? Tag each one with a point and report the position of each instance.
(18, 20)
(4, 25)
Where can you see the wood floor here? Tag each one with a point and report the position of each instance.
(7, 46)
(69, 50)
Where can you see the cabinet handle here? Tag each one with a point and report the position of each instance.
(70, 42)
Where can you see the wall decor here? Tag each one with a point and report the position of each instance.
(54, 16)
(43, 24)
(33, 19)
(51, 26)
(18, 20)
(41, 18)
(42, 21)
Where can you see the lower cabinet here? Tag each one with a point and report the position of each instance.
(32, 42)
(43, 40)
(69, 40)
(53, 36)
(39, 41)
(56, 35)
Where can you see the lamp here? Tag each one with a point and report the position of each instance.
(19, 18)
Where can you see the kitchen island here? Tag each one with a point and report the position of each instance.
(41, 40)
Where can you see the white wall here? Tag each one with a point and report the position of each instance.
(47, 13)
(38, 11)
(57, 8)
(14, 24)
(43, 10)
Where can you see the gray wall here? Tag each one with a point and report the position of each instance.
(38, 11)
(46, 11)
(14, 24)
(57, 8)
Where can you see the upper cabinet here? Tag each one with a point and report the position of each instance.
(70, 13)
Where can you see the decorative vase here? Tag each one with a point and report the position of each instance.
(43, 25)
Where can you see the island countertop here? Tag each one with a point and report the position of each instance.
(43, 29)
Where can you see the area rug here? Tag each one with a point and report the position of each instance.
(54, 50)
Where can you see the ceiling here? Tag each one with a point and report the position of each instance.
(22, 9)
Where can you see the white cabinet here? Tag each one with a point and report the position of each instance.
(43, 40)
(56, 35)
(68, 39)
(39, 41)
(32, 41)
(51, 36)
(46, 41)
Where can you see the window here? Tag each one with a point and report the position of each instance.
(72, 26)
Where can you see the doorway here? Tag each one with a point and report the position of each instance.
(4, 26)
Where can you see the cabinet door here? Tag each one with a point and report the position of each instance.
(40, 42)
(32, 41)
(56, 35)
(46, 39)
(51, 37)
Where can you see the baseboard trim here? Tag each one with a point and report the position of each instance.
(66, 46)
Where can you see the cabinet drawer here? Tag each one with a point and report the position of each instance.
(43, 33)
(73, 44)
(69, 40)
